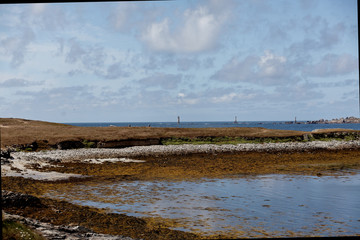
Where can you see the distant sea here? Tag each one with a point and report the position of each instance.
(265, 124)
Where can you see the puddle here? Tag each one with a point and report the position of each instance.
(269, 205)
(111, 160)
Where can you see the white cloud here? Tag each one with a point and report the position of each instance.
(187, 99)
(318, 35)
(268, 69)
(333, 65)
(224, 98)
(191, 101)
(18, 82)
(199, 31)
(230, 97)
(121, 15)
(165, 81)
(16, 46)
(271, 65)
(91, 58)
(115, 71)
(38, 8)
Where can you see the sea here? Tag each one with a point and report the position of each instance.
(281, 125)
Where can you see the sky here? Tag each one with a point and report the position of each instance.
(206, 60)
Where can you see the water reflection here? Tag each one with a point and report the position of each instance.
(276, 205)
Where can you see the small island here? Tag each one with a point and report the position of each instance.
(323, 121)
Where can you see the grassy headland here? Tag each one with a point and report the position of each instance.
(38, 135)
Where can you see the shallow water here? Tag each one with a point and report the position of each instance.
(266, 124)
(268, 205)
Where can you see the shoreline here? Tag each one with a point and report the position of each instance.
(31, 135)
(51, 231)
(38, 173)
(52, 164)
(18, 166)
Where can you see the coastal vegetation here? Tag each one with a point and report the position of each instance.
(238, 140)
(12, 230)
(28, 135)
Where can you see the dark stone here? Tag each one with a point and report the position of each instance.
(20, 200)
(128, 143)
(5, 154)
(70, 145)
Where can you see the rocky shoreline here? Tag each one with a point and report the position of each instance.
(47, 230)
(50, 231)
(22, 163)
(333, 121)
(23, 170)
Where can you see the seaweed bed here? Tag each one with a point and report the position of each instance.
(172, 167)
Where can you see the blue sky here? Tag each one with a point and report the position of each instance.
(201, 60)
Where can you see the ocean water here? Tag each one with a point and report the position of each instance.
(264, 205)
(265, 124)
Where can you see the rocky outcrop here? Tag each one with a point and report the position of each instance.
(69, 145)
(336, 121)
(74, 232)
(318, 134)
(157, 150)
(19, 200)
(128, 143)
(5, 155)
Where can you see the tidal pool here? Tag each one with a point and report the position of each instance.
(252, 206)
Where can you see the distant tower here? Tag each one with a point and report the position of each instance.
(178, 119)
(235, 120)
(295, 119)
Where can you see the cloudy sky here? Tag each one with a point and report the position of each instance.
(203, 60)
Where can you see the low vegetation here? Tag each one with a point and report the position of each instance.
(12, 230)
(29, 135)
(239, 140)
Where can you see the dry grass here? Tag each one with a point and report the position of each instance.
(20, 131)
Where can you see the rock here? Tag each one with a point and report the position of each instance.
(307, 137)
(20, 200)
(5, 154)
(50, 231)
(69, 145)
(128, 143)
(74, 229)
